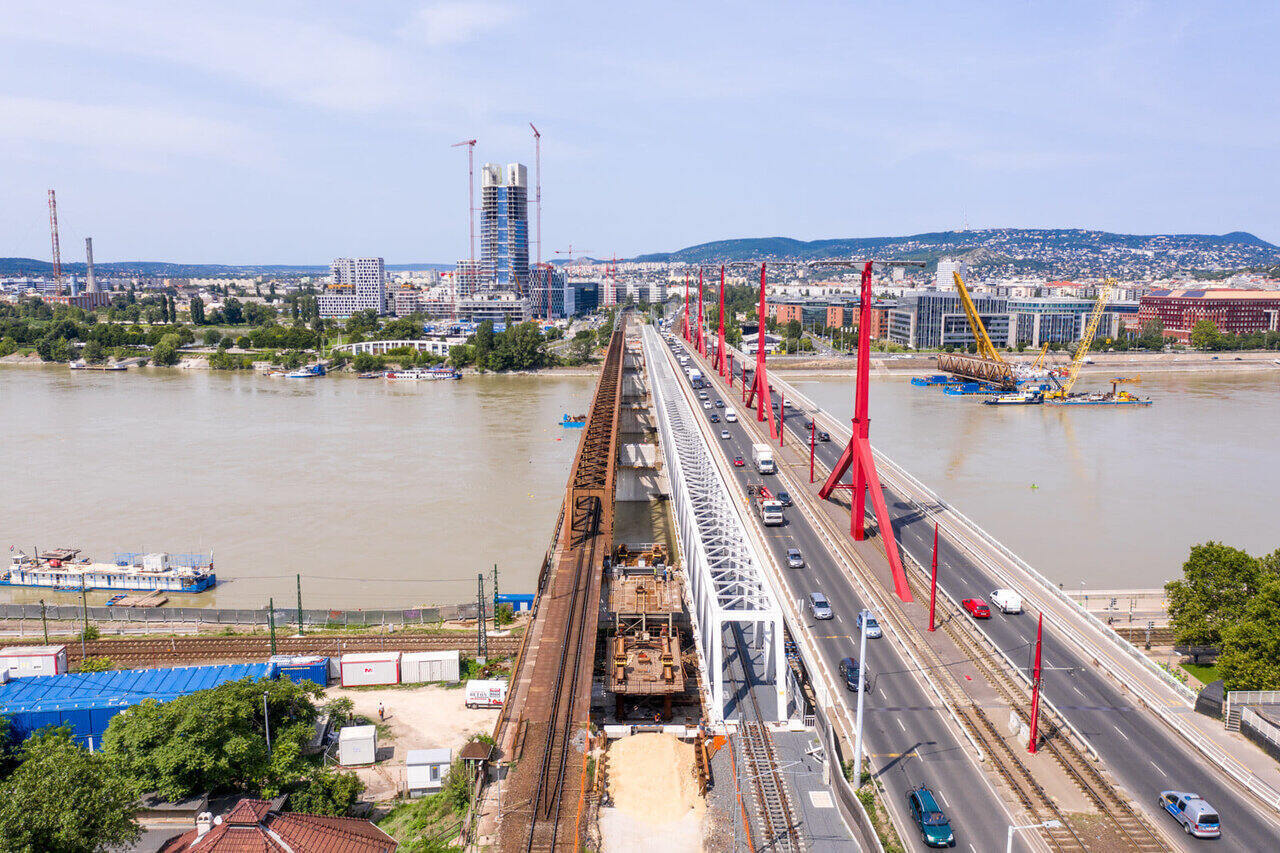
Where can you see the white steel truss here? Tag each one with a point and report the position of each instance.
(722, 564)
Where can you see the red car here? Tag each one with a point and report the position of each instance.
(977, 608)
(738, 462)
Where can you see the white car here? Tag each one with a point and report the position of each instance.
(1007, 600)
(724, 435)
(706, 404)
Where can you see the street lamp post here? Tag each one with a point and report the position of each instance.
(862, 680)
(1048, 824)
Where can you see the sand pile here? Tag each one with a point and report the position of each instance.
(651, 778)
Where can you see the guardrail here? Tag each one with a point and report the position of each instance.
(1261, 731)
(845, 792)
(1237, 699)
(226, 616)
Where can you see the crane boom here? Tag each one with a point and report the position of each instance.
(1090, 329)
(985, 349)
(1040, 358)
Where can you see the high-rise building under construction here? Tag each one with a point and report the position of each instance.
(504, 226)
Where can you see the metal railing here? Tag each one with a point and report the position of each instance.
(226, 616)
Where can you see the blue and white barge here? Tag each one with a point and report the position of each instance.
(64, 569)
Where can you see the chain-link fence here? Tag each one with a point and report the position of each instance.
(226, 616)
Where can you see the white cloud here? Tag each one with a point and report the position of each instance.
(456, 21)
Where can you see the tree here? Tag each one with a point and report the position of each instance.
(197, 311)
(1250, 658)
(1205, 335)
(327, 792)
(1217, 582)
(793, 329)
(212, 337)
(94, 353)
(214, 740)
(232, 312)
(166, 352)
(64, 799)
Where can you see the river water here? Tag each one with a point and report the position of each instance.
(378, 493)
(397, 494)
(1111, 496)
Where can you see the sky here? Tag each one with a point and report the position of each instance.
(295, 132)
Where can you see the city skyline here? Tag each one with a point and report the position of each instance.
(291, 137)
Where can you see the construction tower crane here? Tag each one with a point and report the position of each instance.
(985, 348)
(1086, 340)
(1040, 358)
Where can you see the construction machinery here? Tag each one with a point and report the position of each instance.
(1044, 350)
(1062, 396)
(987, 365)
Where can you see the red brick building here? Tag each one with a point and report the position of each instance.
(255, 825)
(1232, 311)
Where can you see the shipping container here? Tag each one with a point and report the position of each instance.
(418, 667)
(425, 770)
(22, 661)
(87, 701)
(368, 668)
(303, 668)
(486, 693)
(357, 745)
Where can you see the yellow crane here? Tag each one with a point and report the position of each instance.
(1040, 358)
(985, 348)
(1086, 340)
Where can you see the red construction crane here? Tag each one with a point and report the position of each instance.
(53, 235)
(471, 195)
(537, 198)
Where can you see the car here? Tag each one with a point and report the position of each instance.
(724, 435)
(808, 424)
(795, 560)
(822, 436)
(715, 419)
(1007, 600)
(851, 672)
(738, 462)
(934, 827)
(702, 395)
(820, 607)
(873, 627)
(706, 404)
(1197, 817)
(784, 497)
(977, 608)
(719, 404)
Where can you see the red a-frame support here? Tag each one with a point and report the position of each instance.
(857, 457)
(760, 384)
(720, 359)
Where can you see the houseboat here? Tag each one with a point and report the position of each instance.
(424, 373)
(64, 569)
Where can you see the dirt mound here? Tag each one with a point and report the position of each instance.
(651, 778)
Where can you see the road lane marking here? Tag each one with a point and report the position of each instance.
(1156, 766)
(900, 725)
(1122, 734)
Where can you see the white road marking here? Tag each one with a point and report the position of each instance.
(900, 725)
(944, 799)
(1156, 766)
(1122, 734)
(1077, 690)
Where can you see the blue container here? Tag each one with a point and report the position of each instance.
(518, 601)
(300, 669)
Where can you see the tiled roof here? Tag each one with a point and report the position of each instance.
(251, 827)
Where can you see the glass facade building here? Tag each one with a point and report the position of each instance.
(504, 227)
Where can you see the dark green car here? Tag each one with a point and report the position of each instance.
(935, 829)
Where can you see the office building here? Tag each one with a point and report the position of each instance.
(1059, 321)
(945, 279)
(927, 320)
(497, 306)
(358, 284)
(1235, 312)
(504, 227)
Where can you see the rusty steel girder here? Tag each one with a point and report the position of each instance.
(979, 369)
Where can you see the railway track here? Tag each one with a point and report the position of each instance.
(773, 800)
(194, 649)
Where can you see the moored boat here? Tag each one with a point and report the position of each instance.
(65, 570)
(1016, 398)
(423, 374)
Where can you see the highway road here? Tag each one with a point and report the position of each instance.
(1138, 749)
(906, 730)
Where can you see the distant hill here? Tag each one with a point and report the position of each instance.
(1058, 251)
(34, 267)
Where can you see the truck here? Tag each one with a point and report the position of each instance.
(486, 693)
(766, 505)
(695, 378)
(762, 458)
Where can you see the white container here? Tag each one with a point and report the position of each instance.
(426, 769)
(33, 660)
(357, 745)
(419, 667)
(483, 693)
(368, 668)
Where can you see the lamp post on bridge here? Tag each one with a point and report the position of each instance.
(1035, 690)
(813, 428)
(933, 583)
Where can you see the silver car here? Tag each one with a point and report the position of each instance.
(795, 560)
(724, 435)
(820, 607)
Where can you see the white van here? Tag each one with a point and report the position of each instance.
(730, 416)
(486, 693)
(1007, 600)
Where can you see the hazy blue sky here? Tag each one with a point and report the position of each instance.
(294, 132)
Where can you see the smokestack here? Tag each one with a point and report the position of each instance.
(91, 286)
(204, 822)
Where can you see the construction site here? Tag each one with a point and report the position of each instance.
(1018, 383)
